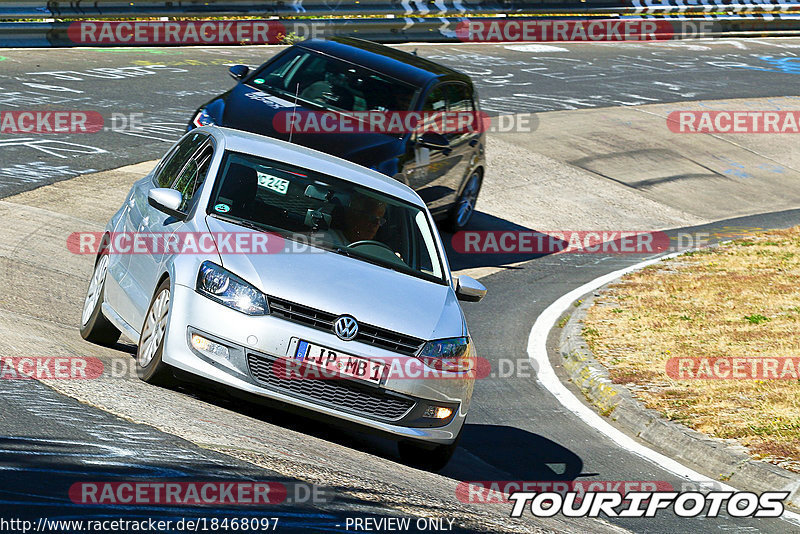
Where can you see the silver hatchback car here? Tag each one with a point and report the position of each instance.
(294, 275)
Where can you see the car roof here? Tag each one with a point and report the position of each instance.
(396, 63)
(307, 158)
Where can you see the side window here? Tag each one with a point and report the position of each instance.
(436, 100)
(280, 72)
(459, 99)
(173, 164)
(160, 167)
(192, 177)
(451, 97)
(435, 103)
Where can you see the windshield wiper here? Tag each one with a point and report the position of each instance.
(345, 251)
(240, 222)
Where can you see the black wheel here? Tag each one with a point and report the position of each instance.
(426, 456)
(149, 365)
(94, 325)
(464, 207)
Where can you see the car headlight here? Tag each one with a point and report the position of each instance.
(228, 289)
(453, 354)
(203, 118)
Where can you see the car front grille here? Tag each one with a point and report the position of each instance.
(371, 335)
(340, 393)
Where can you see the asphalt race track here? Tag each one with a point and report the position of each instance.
(161, 86)
(121, 428)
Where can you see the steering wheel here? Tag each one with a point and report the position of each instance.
(355, 244)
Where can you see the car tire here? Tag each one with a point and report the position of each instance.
(462, 211)
(149, 364)
(425, 456)
(95, 327)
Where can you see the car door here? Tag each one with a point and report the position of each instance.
(437, 174)
(145, 223)
(464, 145)
(427, 175)
(118, 283)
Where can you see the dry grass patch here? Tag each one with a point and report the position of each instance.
(741, 299)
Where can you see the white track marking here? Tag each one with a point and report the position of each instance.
(537, 352)
(535, 48)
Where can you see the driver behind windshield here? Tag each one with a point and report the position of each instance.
(360, 221)
(333, 90)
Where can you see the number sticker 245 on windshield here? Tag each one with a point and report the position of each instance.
(273, 183)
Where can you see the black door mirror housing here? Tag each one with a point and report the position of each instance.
(238, 72)
(433, 141)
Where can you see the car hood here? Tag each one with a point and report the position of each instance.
(252, 110)
(340, 285)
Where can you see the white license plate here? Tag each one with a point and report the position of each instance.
(335, 363)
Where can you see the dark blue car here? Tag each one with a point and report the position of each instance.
(346, 75)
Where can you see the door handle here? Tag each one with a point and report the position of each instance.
(132, 202)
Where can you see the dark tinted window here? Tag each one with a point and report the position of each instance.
(436, 100)
(192, 176)
(174, 162)
(458, 98)
(451, 97)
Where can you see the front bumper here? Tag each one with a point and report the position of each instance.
(256, 343)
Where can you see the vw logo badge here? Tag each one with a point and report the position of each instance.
(346, 328)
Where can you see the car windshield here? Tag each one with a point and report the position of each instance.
(331, 83)
(327, 212)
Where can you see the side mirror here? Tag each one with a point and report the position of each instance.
(469, 290)
(166, 200)
(239, 71)
(434, 141)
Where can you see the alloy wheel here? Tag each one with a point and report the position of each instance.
(95, 289)
(154, 327)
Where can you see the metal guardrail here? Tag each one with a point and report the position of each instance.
(398, 20)
(398, 30)
(348, 8)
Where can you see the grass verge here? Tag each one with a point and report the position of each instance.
(738, 300)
